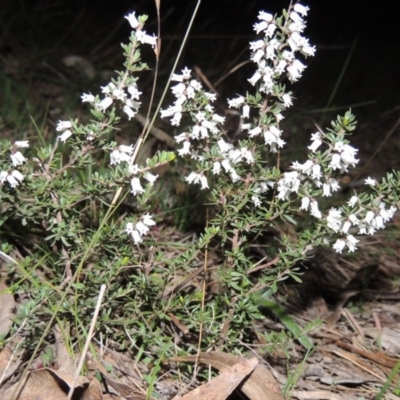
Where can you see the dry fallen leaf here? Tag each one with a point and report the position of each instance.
(47, 384)
(259, 385)
(223, 385)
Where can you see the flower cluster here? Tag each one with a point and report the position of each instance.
(141, 228)
(14, 177)
(205, 131)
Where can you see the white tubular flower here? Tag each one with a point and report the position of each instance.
(105, 103)
(119, 94)
(17, 158)
(315, 210)
(146, 39)
(3, 176)
(142, 228)
(133, 169)
(326, 190)
(87, 98)
(280, 67)
(299, 8)
(287, 100)
(246, 111)
(335, 162)
(334, 219)
(288, 184)
(176, 119)
(353, 201)
(185, 149)
(223, 146)
(21, 143)
(204, 183)
(148, 219)
(339, 245)
(15, 178)
(117, 157)
(151, 178)
(65, 135)
(126, 149)
(346, 226)
(129, 112)
(63, 125)
(216, 168)
(255, 131)
(256, 200)
(351, 242)
(136, 186)
(108, 88)
(193, 177)
(235, 103)
(134, 92)
(134, 23)
(316, 141)
(305, 202)
(371, 182)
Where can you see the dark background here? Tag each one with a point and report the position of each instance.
(357, 52)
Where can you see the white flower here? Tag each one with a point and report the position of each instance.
(176, 119)
(255, 131)
(132, 20)
(143, 38)
(352, 202)
(118, 156)
(326, 189)
(334, 219)
(226, 165)
(346, 226)
(339, 245)
(370, 181)
(142, 228)
(136, 186)
(246, 111)
(305, 202)
(316, 141)
(223, 146)
(335, 162)
(235, 103)
(129, 112)
(351, 242)
(287, 100)
(148, 219)
(87, 98)
(280, 67)
(15, 178)
(17, 158)
(256, 200)
(134, 92)
(63, 125)
(65, 135)
(218, 118)
(151, 178)
(185, 149)
(299, 8)
(314, 209)
(119, 94)
(108, 88)
(3, 176)
(204, 183)
(133, 169)
(105, 103)
(193, 177)
(288, 184)
(21, 143)
(216, 168)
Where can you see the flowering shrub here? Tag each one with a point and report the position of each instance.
(85, 221)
